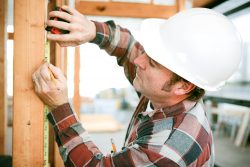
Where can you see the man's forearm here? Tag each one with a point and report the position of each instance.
(72, 139)
(116, 41)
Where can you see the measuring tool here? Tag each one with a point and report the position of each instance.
(46, 111)
(53, 30)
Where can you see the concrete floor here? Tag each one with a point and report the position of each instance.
(228, 155)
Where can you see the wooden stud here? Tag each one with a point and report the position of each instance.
(201, 3)
(76, 98)
(60, 61)
(11, 36)
(28, 109)
(3, 96)
(51, 6)
(181, 4)
(65, 59)
(125, 9)
(61, 58)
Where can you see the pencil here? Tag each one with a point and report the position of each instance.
(52, 77)
(113, 145)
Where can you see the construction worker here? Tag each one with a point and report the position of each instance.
(181, 57)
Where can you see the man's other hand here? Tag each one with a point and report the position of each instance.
(81, 30)
(50, 85)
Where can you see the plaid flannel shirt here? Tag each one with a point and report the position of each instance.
(179, 135)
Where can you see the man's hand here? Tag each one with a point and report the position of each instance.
(50, 85)
(81, 30)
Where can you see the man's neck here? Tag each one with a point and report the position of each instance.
(167, 102)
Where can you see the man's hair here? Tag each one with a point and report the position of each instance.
(194, 95)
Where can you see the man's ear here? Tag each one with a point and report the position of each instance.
(183, 87)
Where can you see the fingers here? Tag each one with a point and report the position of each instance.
(59, 24)
(65, 44)
(64, 38)
(45, 73)
(42, 77)
(80, 29)
(59, 38)
(60, 14)
(51, 90)
(70, 10)
(40, 84)
(58, 74)
(64, 15)
(36, 83)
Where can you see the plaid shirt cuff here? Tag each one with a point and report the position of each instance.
(102, 33)
(62, 117)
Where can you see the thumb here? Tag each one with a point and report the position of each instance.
(56, 71)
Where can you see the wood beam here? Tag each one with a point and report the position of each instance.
(3, 96)
(61, 58)
(61, 62)
(203, 3)
(51, 6)
(10, 35)
(76, 98)
(181, 4)
(125, 9)
(28, 109)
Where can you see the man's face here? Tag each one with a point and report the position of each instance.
(151, 77)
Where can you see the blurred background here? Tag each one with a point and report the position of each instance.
(107, 100)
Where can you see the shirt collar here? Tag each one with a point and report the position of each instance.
(170, 111)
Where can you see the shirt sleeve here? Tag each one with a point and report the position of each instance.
(119, 42)
(77, 149)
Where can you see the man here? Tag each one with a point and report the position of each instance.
(194, 50)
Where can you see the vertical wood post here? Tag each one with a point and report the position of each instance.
(76, 98)
(29, 16)
(3, 96)
(61, 62)
(181, 5)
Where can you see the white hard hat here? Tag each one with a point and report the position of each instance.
(198, 44)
